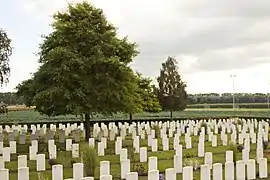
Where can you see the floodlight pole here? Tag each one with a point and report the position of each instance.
(233, 76)
(268, 96)
(268, 100)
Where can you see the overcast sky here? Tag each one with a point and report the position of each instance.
(211, 39)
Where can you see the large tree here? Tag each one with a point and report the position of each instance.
(84, 67)
(146, 98)
(5, 53)
(171, 88)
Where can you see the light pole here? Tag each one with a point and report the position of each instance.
(268, 96)
(233, 76)
(268, 100)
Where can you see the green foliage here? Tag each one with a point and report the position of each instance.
(171, 89)
(66, 162)
(248, 99)
(89, 159)
(146, 100)
(140, 169)
(204, 124)
(3, 108)
(157, 130)
(26, 91)
(229, 105)
(195, 101)
(5, 53)
(233, 147)
(84, 67)
(265, 145)
(194, 162)
(41, 176)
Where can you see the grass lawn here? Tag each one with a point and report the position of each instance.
(165, 158)
(32, 116)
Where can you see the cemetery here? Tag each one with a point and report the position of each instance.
(189, 149)
(88, 114)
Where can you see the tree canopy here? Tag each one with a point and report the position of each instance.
(149, 100)
(146, 98)
(84, 67)
(171, 89)
(5, 53)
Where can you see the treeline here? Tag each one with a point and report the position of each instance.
(240, 98)
(11, 99)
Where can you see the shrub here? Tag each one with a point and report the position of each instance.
(140, 170)
(204, 125)
(161, 177)
(265, 145)
(64, 159)
(41, 176)
(187, 155)
(240, 148)
(89, 159)
(52, 162)
(157, 130)
(219, 129)
(194, 162)
(232, 146)
(239, 122)
(131, 154)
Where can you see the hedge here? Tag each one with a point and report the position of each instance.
(229, 105)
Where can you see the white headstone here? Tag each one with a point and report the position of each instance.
(217, 171)
(75, 151)
(263, 168)
(68, 144)
(78, 171)
(22, 161)
(132, 176)
(177, 161)
(188, 173)
(143, 154)
(205, 172)
(240, 170)
(41, 162)
(208, 159)
(170, 174)
(6, 154)
(251, 169)
(229, 171)
(229, 156)
(4, 174)
(13, 147)
(104, 168)
(57, 172)
(2, 163)
(153, 175)
(23, 173)
(125, 168)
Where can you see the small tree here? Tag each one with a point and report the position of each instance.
(171, 90)
(146, 98)
(3, 108)
(5, 53)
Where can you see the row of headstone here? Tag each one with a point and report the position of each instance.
(240, 170)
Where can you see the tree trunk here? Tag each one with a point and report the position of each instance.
(171, 114)
(130, 116)
(87, 127)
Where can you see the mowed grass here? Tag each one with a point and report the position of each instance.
(165, 158)
(22, 116)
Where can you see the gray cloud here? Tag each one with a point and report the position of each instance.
(216, 34)
(228, 8)
(223, 35)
